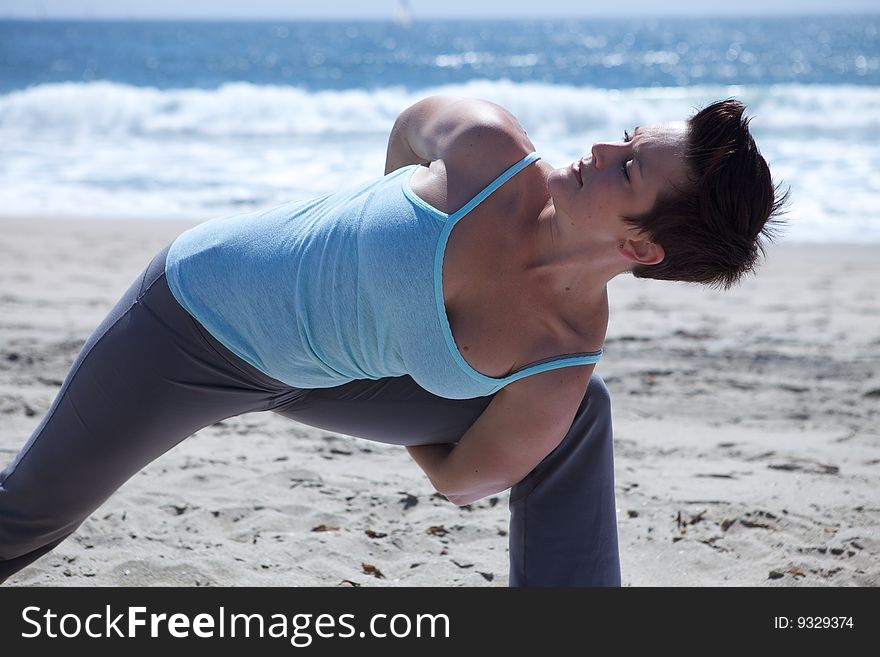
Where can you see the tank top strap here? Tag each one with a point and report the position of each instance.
(555, 362)
(495, 184)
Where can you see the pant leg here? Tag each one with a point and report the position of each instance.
(563, 525)
(563, 515)
(147, 377)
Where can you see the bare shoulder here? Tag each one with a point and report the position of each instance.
(474, 141)
(562, 383)
(548, 400)
(483, 134)
(438, 126)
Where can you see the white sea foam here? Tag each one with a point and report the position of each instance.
(105, 149)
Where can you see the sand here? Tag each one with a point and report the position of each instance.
(747, 440)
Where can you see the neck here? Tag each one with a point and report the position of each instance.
(577, 268)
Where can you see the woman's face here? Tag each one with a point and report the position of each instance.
(623, 178)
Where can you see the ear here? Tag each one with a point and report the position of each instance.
(641, 252)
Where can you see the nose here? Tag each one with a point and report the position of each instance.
(601, 151)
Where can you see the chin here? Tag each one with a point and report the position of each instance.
(557, 182)
(553, 177)
(561, 192)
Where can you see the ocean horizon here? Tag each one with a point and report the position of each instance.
(198, 119)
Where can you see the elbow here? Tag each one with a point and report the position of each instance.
(460, 500)
(463, 498)
(458, 497)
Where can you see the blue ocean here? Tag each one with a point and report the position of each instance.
(170, 120)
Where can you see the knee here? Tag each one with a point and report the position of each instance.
(18, 533)
(597, 399)
(28, 523)
(29, 529)
(592, 424)
(21, 544)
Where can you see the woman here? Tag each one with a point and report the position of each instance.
(377, 312)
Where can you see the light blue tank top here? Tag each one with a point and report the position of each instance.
(347, 286)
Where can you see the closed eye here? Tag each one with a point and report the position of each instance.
(626, 138)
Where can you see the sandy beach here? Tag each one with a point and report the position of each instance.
(747, 440)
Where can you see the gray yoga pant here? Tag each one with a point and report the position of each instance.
(150, 375)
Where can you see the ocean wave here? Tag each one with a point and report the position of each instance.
(243, 109)
(114, 150)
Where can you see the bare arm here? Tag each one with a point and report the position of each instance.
(525, 421)
(440, 127)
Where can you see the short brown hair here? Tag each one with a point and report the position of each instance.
(712, 230)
